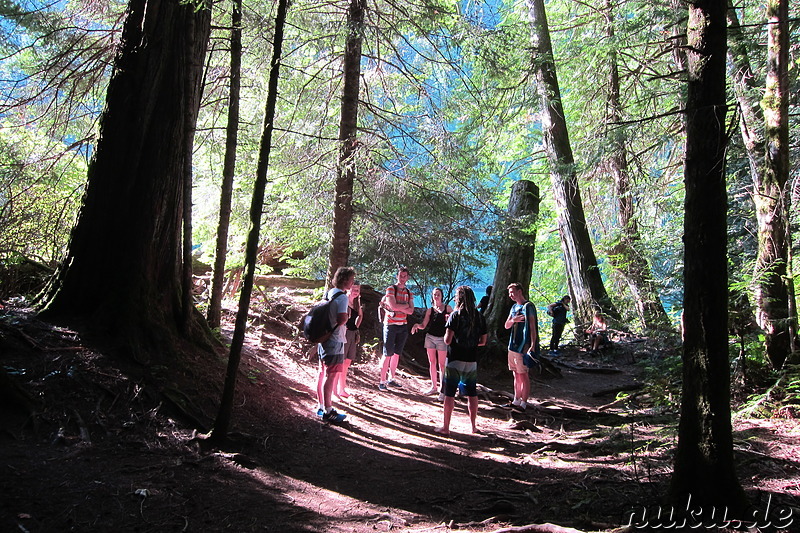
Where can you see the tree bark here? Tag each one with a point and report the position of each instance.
(586, 285)
(122, 273)
(228, 168)
(515, 259)
(769, 169)
(343, 202)
(222, 422)
(704, 468)
(626, 255)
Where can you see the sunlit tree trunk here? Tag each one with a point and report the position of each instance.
(626, 254)
(515, 258)
(764, 129)
(228, 168)
(704, 468)
(223, 419)
(122, 273)
(586, 284)
(343, 202)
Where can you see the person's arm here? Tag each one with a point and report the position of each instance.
(482, 339)
(391, 301)
(360, 317)
(424, 323)
(410, 304)
(533, 324)
(510, 320)
(448, 336)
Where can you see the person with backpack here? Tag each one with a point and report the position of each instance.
(464, 332)
(434, 321)
(558, 310)
(399, 303)
(524, 326)
(331, 349)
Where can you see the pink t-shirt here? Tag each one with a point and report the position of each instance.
(402, 296)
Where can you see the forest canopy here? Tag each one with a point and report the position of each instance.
(448, 120)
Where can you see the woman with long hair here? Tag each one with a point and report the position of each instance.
(434, 320)
(464, 332)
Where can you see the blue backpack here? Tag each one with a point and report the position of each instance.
(316, 324)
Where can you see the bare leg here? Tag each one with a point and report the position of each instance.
(522, 386)
(432, 367)
(341, 383)
(442, 362)
(327, 388)
(385, 368)
(320, 381)
(472, 407)
(449, 404)
(393, 360)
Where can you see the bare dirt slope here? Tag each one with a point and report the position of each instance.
(107, 451)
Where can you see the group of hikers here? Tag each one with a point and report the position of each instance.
(453, 336)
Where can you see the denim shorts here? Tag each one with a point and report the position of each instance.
(394, 339)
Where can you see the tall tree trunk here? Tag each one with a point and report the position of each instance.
(228, 168)
(122, 273)
(343, 202)
(586, 284)
(772, 196)
(769, 168)
(515, 259)
(626, 255)
(222, 422)
(704, 468)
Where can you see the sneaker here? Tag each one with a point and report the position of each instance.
(333, 416)
(441, 397)
(393, 383)
(382, 386)
(516, 402)
(522, 406)
(430, 391)
(320, 412)
(554, 353)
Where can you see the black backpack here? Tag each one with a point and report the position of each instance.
(316, 324)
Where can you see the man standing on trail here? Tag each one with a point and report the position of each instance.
(524, 326)
(558, 310)
(331, 350)
(400, 304)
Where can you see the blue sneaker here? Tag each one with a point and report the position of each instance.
(333, 416)
(320, 412)
(393, 383)
(382, 386)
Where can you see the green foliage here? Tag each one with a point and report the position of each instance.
(780, 398)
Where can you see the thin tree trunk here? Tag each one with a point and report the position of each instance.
(627, 257)
(770, 173)
(343, 202)
(228, 169)
(704, 468)
(222, 422)
(123, 269)
(515, 259)
(586, 284)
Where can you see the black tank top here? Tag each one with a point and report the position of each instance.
(353, 312)
(437, 323)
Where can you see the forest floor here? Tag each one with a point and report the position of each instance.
(108, 449)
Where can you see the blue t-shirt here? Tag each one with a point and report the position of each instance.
(520, 340)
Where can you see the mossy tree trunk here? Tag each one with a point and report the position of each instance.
(348, 127)
(123, 271)
(515, 258)
(704, 468)
(586, 285)
(764, 129)
(626, 254)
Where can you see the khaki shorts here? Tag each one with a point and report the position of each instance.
(435, 343)
(515, 363)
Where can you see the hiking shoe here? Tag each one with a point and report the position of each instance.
(320, 412)
(521, 406)
(382, 386)
(333, 416)
(393, 383)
